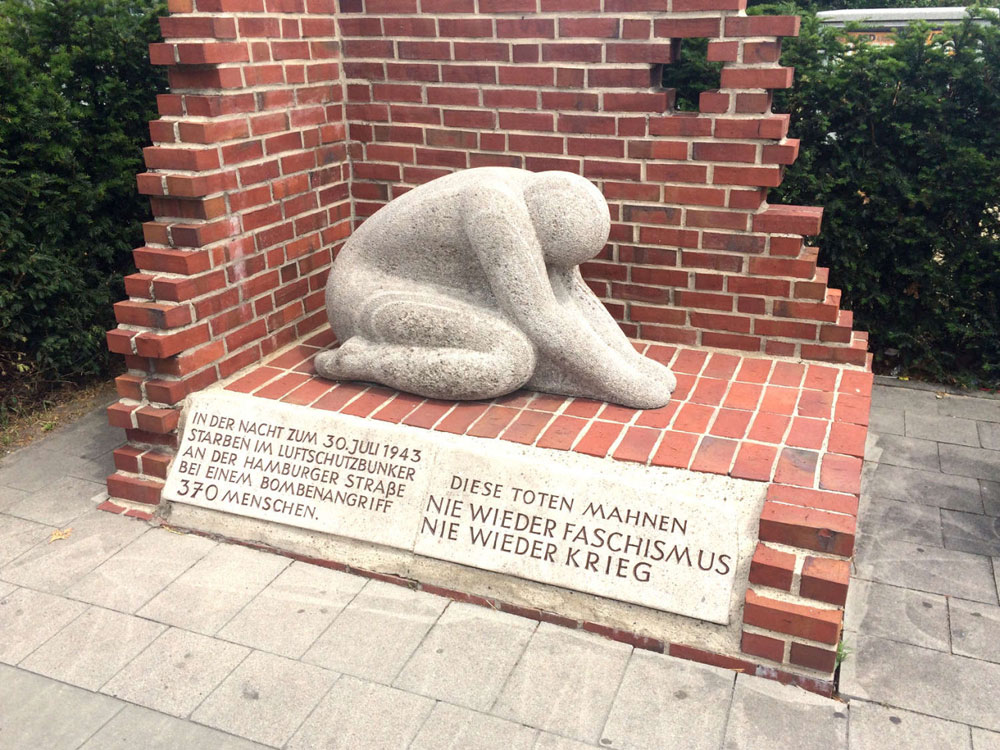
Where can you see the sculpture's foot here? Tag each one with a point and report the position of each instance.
(439, 348)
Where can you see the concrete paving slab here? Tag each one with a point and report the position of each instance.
(899, 398)
(6, 589)
(91, 649)
(883, 420)
(59, 502)
(991, 496)
(913, 453)
(901, 521)
(214, 589)
(37, 712)
(137, 727)
(989, 435)
(88, 437)
(375, 634)
(18, 535)
(975, 630)
(971, 532)
(980, 463)
(29, 618)
(928, 569)
(873, 726)
(57, 565)
(983, 740)
(10, 496)
(140, 570)
(564, 683)
(266, 698)
(794, 718)
(896, 613)
(33, 468)
(942, 429)
(94, 469)
(926, 488)
(922, 680)
(455, 728)
(980, 409)
(357, 713)
(665, 702)
(176, 672)
(289, 615)
(466, 657)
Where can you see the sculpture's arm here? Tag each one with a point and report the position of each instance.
(502, 237)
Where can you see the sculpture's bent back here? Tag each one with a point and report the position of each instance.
(469, 287)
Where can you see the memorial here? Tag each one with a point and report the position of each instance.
(669, 405)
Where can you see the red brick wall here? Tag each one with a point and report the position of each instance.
(288, 121)
(697, 257)
(249, 184)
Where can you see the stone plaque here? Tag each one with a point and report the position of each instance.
(667, 539)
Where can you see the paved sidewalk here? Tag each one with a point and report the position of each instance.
(123, 635)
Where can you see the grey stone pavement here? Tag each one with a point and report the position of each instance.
(124, 635)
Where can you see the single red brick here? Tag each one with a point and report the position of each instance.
(771, 567)
(807, 528)
(705, 657)
(754, 462)
(340, 395)
(813, 657)
(658, 417)
(807, 433)
(762, 646)
(562, 432)
(282, 385)
(848, 439)
(709, 391)
(527, 426)
(787, 373)
(816, 624)
(731, 423)
(856, 383)
(840, 473)
(598, 438)
(721, 366)
(693, 418)
(754, 370)
(675, 449)
(820, 378)
(458, 420)
(637, 444)
(815, 404)
(368, 402)
(769, 428)
(137, 490)
(308, 392)
(111, 507)
(431, 411)
(779, 400)
(714, 455)
(743, 396)
(796, 467)
(810, 498)
(689, 361)
(583, 407)
(825, 579)
(852, 409)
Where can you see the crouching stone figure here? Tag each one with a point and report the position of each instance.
(469, 287)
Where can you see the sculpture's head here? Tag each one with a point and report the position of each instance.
(570, 217)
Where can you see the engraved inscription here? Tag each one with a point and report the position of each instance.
(657, 537)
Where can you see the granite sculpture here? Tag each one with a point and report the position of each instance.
(469, 287)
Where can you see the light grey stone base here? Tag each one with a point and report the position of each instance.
(670, 628)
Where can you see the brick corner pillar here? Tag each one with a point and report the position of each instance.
(248, 181)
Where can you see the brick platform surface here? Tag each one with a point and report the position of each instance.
(799, 426)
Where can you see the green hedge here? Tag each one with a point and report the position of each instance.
(76, 93)
(902, 147)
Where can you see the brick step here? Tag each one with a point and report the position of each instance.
(134, 488)
(815, 288)
(802, 220)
